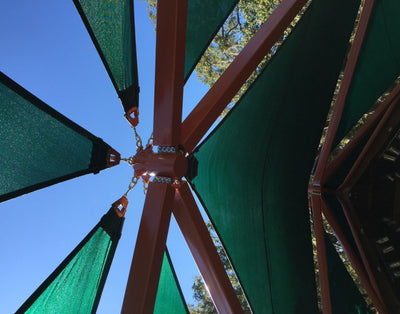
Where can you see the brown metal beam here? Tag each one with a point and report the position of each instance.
(342, 95)
(145, 270)
(225, 88)
(347, 209)
(316, 203)
(354, 260)
(204, 252)
(170, 64)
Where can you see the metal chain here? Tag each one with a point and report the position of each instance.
(150, 141)
(128, 160)
(132, 184)
(139, 144)
(145, 187)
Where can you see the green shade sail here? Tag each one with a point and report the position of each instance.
(378, 64)
(39, 146)
(169, 298)
(205, 18)
(76, 285)
(345, 296)
(253, 170)
(110, 24)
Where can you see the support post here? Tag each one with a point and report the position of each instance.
(225, 88)
(344, 88)
(144, 275)
(204, 252)
(170, 64)
(321, 254)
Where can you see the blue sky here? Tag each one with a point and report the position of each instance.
(45, 47)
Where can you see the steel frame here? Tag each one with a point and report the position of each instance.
(372, 121)
(170, 66)
(164, 198)
(354, 260)
(323, 172)
(347, 209)
(321, 254)
(369, 149)
(203, 250)
(343, 90)
(141, 289)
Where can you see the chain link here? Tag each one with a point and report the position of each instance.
(145, 186)
(150, 141)
(132, 184)
(128, 160)
(139, 144)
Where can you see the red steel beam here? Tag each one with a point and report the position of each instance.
(169, 78)
(316, 203)
(354, 260)
(225, 88)
(204, 252)
(344, 88)
(145, 270)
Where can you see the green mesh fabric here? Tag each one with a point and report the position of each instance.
(75, 288)
(169, 298)
(205, 17)
(76, 285)
(111, 27)
(345, 296)
(253, 170)
(378, 64)
(39, 146)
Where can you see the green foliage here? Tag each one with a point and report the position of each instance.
(152, 10)
(238, 29)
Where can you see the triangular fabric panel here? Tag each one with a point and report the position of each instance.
(76, 285)
(110, 24)
(39, 146)
(205, 18)
(345, 296)
(253, 170)
(378, 64)
(169, 298)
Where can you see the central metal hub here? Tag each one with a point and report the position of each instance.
(166, 164)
